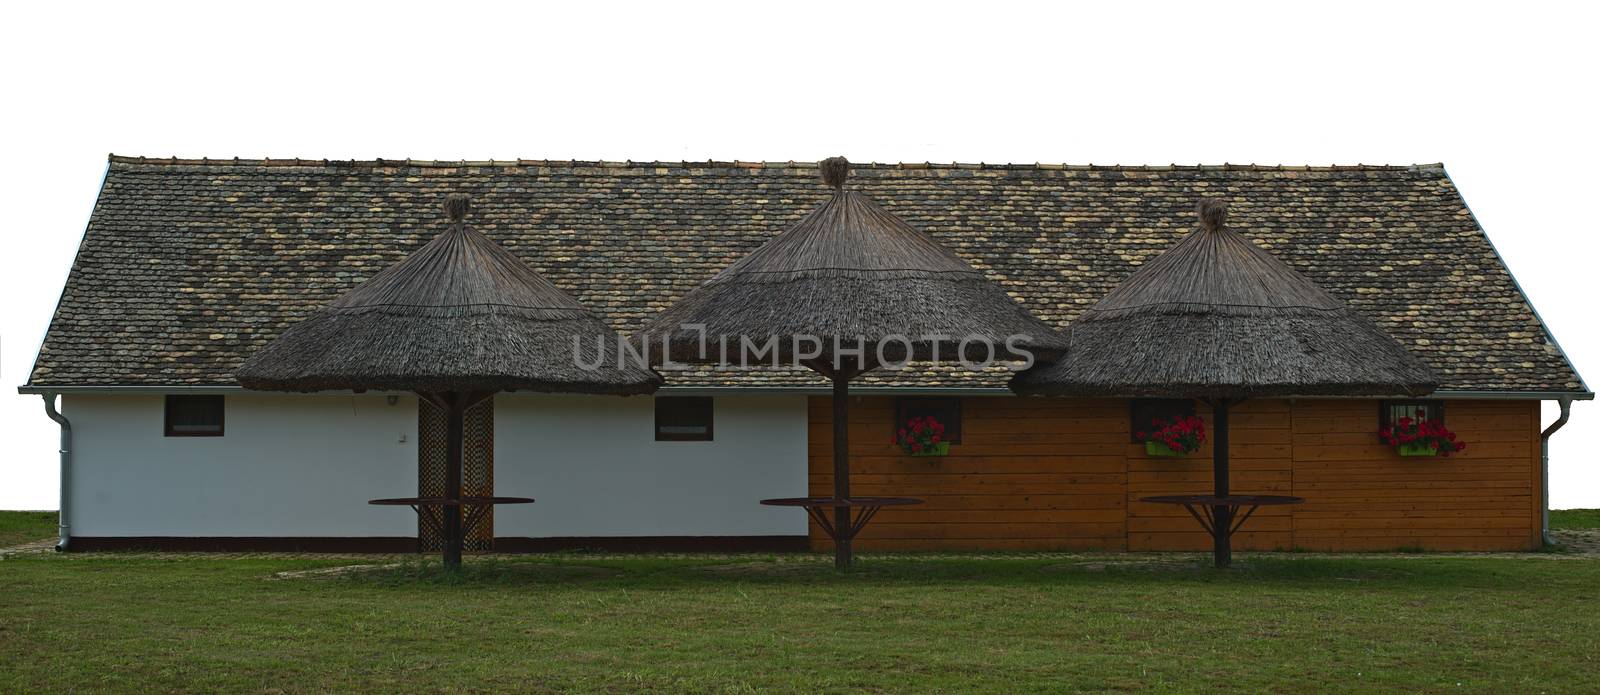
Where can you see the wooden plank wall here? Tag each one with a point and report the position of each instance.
(1028, 475)
(1361, 496)
(1060, 474)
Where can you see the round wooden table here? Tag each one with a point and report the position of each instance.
(867, 507)
(480, 506)
(1233, 503)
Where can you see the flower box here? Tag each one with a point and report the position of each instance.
(940, 449)
(1421, 437)
(1161, 450)
(1417, 449)
(1180, 437)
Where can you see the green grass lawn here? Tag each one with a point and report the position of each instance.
(1285, 623)
(24, 527)
(1567, 519)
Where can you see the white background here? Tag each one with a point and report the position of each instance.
(1504, 95)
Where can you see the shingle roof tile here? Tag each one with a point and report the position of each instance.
(189, 265)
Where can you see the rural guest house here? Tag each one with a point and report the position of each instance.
(189, 267)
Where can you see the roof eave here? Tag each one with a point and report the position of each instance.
(1548, 334)
(863, 390)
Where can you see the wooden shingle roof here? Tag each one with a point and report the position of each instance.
(188, 266)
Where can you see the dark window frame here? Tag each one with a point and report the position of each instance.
(221, 404)
(708, 403)
(907, 407)
(1142, 410)
(1386, 416)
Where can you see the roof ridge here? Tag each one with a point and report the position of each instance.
(739, 164)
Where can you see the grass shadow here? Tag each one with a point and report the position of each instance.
(647, 573)
(472, 572)
(1154, 571)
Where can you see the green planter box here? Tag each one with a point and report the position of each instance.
(1161, 450)
(940, 449)
(1416, 450)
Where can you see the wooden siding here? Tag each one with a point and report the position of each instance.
(1060, 474)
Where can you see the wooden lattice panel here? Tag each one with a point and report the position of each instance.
(431, 445)
(477, 469)
(477, 472)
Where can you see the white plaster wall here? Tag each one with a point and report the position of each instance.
(594, 466)
(287, 465)
(305, 465)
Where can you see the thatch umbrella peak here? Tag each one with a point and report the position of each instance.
(1215, 269)
(460, 313)
(461, 269)
(851, 269)
(847, 236)
(1218, 316)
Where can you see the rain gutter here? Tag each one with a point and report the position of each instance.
(1544, 468)
(63, 531)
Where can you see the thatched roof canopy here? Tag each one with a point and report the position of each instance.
(459, 314)
(850, 270)
(1217, 316)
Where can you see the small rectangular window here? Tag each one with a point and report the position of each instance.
(194, 416)
(1390, 412)
(945, 409)
(683, 419)
(1143, 412)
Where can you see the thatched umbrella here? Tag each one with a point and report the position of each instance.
(457, 320)
(846, 289)
(1218, 318)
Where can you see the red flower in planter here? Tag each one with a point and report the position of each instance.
(1421, 432)
(1184, 435)
(919, 434)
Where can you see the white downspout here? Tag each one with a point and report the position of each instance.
(1544, 467)
(64, 535)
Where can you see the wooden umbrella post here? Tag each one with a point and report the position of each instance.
(455, 426)
(849, 514)
(1222, 513)
(1221, 543)
(841, 465)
